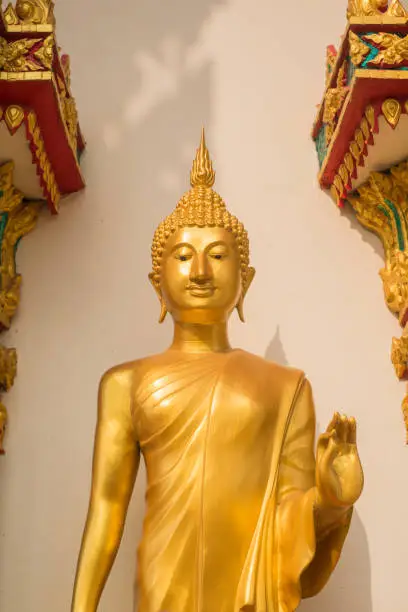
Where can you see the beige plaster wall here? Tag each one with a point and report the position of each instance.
(147, 74)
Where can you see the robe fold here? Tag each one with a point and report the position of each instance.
(228, 443)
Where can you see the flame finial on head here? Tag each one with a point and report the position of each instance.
(202, 173)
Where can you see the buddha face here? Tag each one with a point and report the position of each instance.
(201, 275)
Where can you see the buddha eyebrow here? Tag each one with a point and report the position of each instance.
(215, 244)
(181, 245)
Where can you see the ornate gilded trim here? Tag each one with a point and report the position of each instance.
(40, 159)
(360, 8)
(8, 371)
(35, 11)
(17, 218)
(29, 52)
(372, 65)
(47, 112)
(378, 49)
(26, 54)
(14, 116)
(392, 110)
(26, 76)
(358, 49)
(379, 9)
(399, 357)
(331, 58)
(68, 109)
(333, 103)
(347, 170)
(381, 205)
(29, 16)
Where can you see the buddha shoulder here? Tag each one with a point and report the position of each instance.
(125, 377)
(266, 382)
(276, 374)
(121, 381)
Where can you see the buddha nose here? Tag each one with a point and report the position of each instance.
(200, 271)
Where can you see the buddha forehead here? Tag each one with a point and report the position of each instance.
(200, 239)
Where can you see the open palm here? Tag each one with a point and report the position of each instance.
(339, 475)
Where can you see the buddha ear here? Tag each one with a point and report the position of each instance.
(248, 282)
(163, 309)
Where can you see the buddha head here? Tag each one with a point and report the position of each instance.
(200, 254)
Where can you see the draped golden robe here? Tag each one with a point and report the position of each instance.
(228, 442)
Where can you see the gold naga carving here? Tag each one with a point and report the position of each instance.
(26, 54)
(68, 104)
(392, 49)
(333, 102)
(17, 218)
(8, 371)
(399, 356)
(358, 50)
(381, 205)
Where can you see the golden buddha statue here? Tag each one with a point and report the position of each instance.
(239, 515)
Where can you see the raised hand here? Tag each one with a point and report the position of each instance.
(339, 475)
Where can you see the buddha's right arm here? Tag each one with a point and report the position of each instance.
(115, 465)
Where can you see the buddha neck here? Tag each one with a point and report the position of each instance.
(200, 338)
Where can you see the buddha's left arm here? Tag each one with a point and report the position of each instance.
(310, 535)
(298, 466)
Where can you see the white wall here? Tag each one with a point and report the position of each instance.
(147, 74)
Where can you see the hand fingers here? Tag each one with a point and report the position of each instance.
(333, 423)
(346, 429)
(342, 429)
(327, 436)
(324, 440)
(352, 436)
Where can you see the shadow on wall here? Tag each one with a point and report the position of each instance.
(350, 586)
(275, 350)
(150, 96)
(368, 237)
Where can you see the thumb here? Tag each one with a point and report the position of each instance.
(324, 440)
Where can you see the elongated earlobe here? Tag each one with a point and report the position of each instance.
(240, 309)
(240, 306)
(163, 309)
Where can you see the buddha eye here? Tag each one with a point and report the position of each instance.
(218, 252)
(218, 256)
(183, 256)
